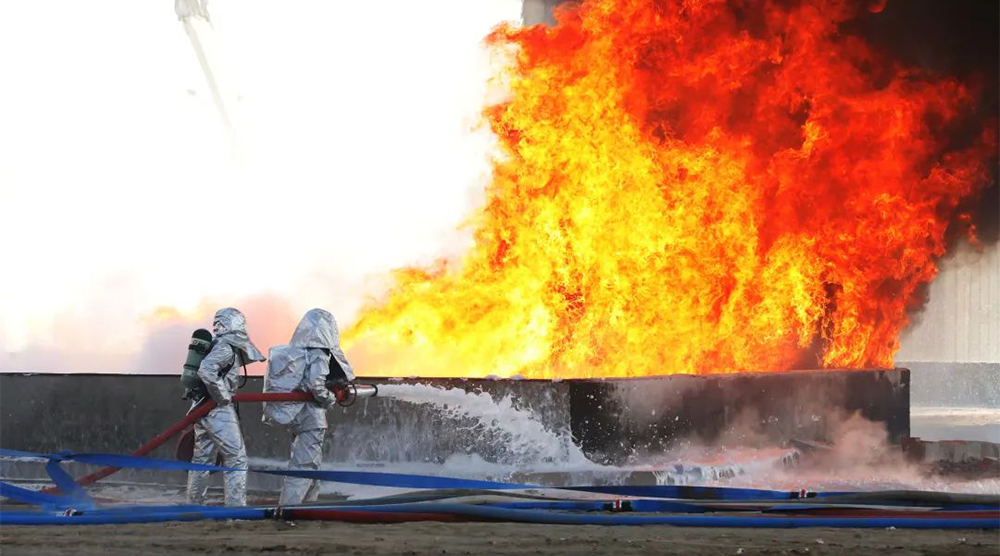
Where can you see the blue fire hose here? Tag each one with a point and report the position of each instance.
(101, 518)
(399, 480)
(492, 513)
(85, 511)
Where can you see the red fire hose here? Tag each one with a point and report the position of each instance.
(192, 417)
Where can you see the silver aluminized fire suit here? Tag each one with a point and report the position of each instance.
(304, 365)
(219, 430)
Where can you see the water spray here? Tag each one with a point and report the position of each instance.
(193, 15)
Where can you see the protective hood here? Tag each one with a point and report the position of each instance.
(317, 329)
(230, 326)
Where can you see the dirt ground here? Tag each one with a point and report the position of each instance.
(232, 538)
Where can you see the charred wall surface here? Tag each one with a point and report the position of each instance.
(613, 420)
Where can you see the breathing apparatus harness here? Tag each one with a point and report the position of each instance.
(201, 345)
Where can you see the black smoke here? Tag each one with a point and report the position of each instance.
(957, 38)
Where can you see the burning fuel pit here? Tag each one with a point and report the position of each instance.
(513, 423)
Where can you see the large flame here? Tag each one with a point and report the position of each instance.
(691, 187)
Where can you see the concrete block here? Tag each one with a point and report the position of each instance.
(611, 421)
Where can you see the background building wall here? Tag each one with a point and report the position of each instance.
(539, 11)
(961, 322)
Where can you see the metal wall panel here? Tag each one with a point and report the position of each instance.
(961, 322)
(539, 11)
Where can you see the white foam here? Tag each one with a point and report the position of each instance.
(524, 434)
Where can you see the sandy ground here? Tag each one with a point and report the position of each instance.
(476, 538)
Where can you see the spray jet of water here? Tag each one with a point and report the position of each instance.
(193, 15)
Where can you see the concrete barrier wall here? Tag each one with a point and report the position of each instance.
(118, 413)
(610, 420)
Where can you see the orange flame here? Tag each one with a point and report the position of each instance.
(688, 187)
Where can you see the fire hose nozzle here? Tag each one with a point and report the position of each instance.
(348, 392)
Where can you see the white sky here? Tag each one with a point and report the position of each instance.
(120, 191)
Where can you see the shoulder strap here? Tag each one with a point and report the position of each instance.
(232, 363)
(246, 376)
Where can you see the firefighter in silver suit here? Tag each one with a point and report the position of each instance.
(219, 430)
(305, 364)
